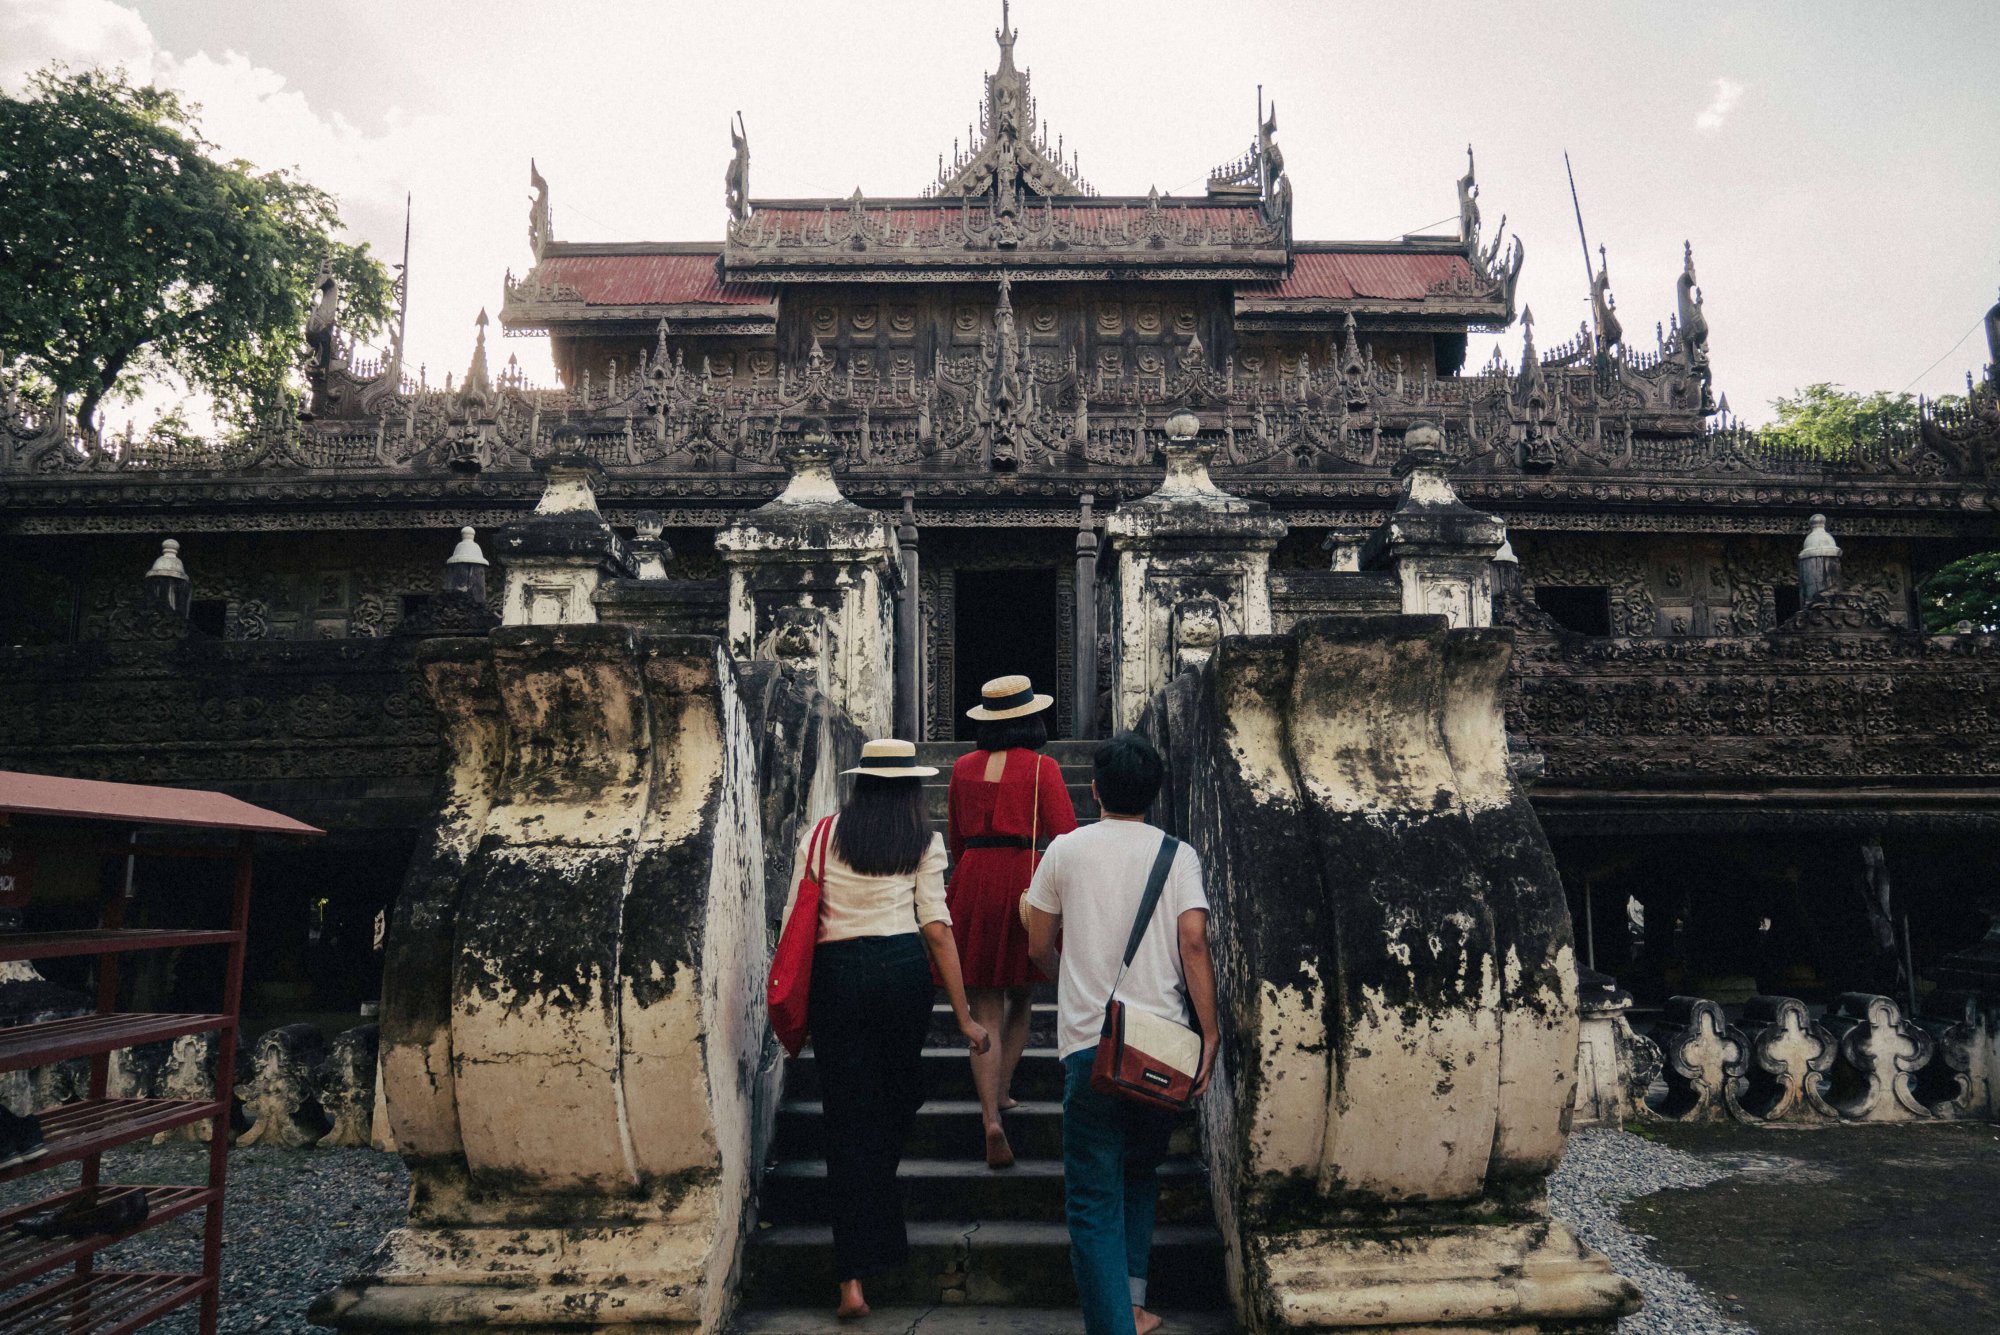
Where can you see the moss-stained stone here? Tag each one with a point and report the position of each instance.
(1396, 974)
(574, 1035)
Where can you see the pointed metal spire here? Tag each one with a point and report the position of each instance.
(476, 380)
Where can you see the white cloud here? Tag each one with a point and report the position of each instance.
(81, 32)
(1728, 93)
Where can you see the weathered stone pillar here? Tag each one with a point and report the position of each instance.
(573, 1023)
(1441, 549)
(909, 628)
(1194, 565)
(168, 587)
(1398, 985)
(813, 564)
(1083, 653)
(557, 557)
(1614, 1065)
(1819, 562)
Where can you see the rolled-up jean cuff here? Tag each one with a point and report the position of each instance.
(1138, 1286)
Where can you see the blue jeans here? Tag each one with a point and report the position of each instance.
(1112, 1150)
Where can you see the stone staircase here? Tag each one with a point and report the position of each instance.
(990, 1250)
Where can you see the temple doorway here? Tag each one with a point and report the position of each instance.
(1004, 621)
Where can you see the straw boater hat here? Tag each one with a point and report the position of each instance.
(891, 758)
(1008, 697)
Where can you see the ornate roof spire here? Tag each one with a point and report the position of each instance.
(1010, 154)
(477, 382)
(736, 181)
(1005, 35)
(540, 230)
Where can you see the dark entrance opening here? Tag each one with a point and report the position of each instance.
(1006, 621)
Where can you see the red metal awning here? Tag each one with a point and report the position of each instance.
(1347, 276)
(138, 804)
(647, 280)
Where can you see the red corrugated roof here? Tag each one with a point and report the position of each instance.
(138, 804)
(648, 280)
(1342, 276)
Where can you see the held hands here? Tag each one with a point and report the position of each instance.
(976, 1037)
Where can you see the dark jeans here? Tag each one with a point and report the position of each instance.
(1112, 1150)
(870, 1009)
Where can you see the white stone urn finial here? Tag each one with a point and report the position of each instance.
(1187, 458)
(167, 565)
(1819, 542)
(810, 460)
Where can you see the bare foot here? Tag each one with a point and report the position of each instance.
(1009, 1104)
(1147, 1322)
(852, 1304)
(999, 1154)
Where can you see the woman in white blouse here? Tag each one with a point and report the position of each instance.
(883, 929)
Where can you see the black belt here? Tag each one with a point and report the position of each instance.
(996, 841)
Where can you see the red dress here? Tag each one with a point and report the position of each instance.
(987, 883)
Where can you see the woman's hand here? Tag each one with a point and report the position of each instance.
(976, 1037)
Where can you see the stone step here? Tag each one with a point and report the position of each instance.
(947, 1075)
(795, 1191)
(1041, 1024)
(949, 1129)
(955, 1321)
(991, 1263)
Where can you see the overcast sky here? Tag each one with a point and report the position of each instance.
(1836, 165)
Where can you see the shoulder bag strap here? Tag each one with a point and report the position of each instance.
(1156, 882)
(824, 834)
(1035, 820)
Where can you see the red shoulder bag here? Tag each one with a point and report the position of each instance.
(788, 991)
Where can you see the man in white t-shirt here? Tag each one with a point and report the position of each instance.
(1087, 893)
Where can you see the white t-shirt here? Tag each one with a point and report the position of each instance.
(1095, 879)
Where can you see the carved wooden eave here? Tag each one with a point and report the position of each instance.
(1095, 239)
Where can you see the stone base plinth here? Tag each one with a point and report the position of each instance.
(1497, 1279)
(636, 1279)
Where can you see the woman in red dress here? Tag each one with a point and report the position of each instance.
(1005, 797)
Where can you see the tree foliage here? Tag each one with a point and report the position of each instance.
(1826, 420)
(128, 251)
(1965, 590)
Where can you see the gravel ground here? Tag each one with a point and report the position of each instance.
(297, 1222)
(1601, 1170)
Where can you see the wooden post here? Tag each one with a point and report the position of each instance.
(225, 1083)
(1083, 657)
(909, 628)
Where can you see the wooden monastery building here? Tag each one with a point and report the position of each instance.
(1758, 773)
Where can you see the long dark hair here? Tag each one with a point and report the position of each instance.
(884, 827)
(1027, 731)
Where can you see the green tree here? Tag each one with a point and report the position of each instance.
(1825, 419)
(128, 251)
(1965, 590)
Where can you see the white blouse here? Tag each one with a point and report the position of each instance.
(855, 905)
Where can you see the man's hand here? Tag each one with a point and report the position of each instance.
(977, 1040)
(1211, 1045)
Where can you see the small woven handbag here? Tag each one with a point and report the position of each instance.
(788, 990)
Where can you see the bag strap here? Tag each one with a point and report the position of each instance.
(1035, 820)
(823, 834)
(1156, 882)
